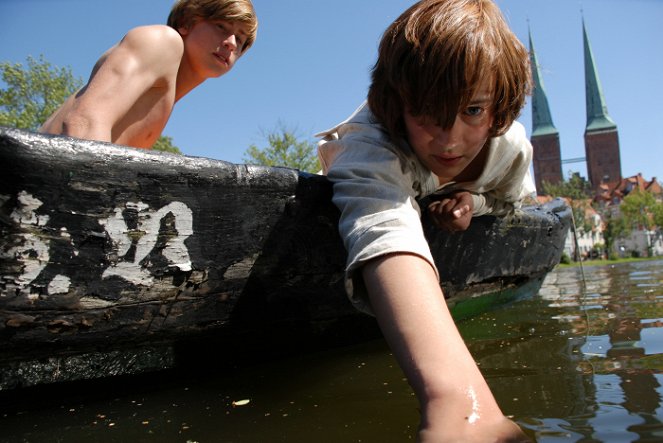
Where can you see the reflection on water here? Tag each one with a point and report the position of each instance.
(581, 361)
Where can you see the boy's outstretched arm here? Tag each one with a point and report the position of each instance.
(456, 402)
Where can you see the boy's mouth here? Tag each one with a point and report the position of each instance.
(221, 58)
(448, 160)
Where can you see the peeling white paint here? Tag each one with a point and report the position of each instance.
(25, 213)
(32, 252)
(149, 223)
(117, 229)
(34, 256)
(176, 251)
(59, 285)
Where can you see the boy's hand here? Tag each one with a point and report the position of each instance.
(453, 212)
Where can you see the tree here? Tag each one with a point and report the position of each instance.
(165, 144)
(284, 150)
(576, 188)
(34, 92)
(614, 227)
(658, 215)
(639, 208)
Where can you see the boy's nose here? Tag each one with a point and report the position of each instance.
(231, 42)
(448, 137)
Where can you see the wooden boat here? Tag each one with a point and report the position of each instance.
(116, 260)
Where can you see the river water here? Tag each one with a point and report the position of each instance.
(581, 361)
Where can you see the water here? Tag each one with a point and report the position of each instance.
(575, 363)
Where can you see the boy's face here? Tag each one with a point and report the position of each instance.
(213, 46)
(449, 153)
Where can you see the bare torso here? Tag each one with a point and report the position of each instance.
(137, 101)
(140, 127)
(134, 85)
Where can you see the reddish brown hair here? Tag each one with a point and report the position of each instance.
(434, 56)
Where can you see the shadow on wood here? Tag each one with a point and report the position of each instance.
(107, 249)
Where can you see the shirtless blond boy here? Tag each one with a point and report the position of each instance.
(135, 84)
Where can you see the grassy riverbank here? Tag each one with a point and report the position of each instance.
(607, 262)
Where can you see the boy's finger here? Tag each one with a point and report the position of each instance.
(459, 212)
(440, 205)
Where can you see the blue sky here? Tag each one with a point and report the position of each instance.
(310, 66)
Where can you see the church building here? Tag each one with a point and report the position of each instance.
(601, 136)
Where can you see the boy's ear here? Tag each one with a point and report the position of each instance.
(186, 27)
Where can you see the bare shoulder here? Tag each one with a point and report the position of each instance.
(154, 41)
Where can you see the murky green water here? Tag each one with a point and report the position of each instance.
(569, 364)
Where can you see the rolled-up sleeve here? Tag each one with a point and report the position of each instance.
(379, 213)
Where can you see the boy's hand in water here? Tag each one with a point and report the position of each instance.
(453, 212)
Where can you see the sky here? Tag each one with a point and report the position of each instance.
(310, 66)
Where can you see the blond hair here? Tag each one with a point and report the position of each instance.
(185, 12)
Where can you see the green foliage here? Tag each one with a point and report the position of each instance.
(576, 188)
(284, 150)
(615, 227)
(582, 223)
(34, 92)
(565, 259)
(657, 214)
(165, 144)
(640, 209)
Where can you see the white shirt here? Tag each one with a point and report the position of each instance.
(377, 183)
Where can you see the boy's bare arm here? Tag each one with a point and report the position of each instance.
(456, 402)
(148, 57)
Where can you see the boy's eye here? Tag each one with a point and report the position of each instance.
(474, 111)
(226, 29)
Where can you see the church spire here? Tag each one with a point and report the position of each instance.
(542, 123)
(597, 111)
(546, 155)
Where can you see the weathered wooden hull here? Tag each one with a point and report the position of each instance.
(105, 248)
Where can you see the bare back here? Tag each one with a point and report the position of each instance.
(130, 94)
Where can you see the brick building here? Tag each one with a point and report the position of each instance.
(547, 158)
(601, 136)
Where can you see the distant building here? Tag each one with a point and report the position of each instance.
(615, 193)
(547, 158)
(601, 137)
(640, 241)
(585, 239)
(603, 161)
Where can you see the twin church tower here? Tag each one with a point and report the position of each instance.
(601, 137)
